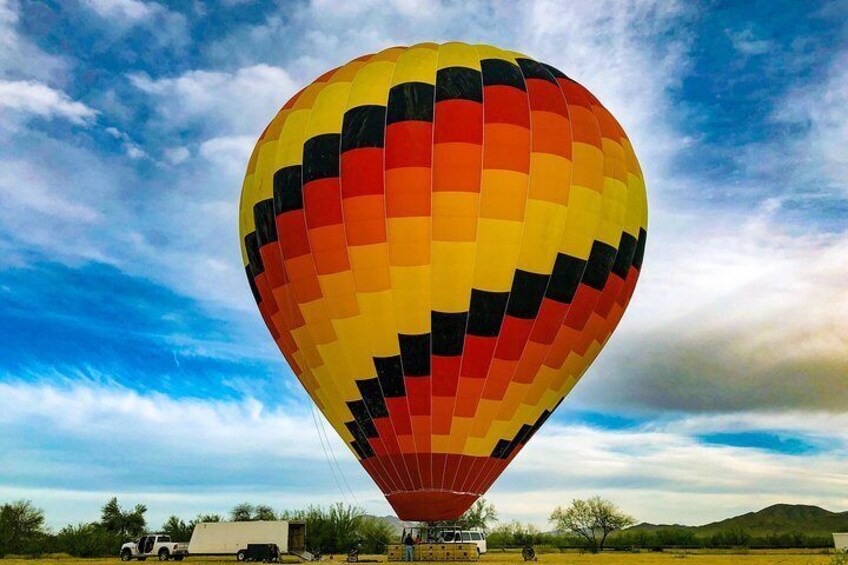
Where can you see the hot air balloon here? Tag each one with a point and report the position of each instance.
(441, 239)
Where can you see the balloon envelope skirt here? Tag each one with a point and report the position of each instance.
(441, 239)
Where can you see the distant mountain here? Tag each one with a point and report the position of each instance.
(394, 523)
(776, 519)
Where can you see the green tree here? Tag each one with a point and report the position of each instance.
(513, 534)
(264, 512)
(177, 529)
(344, 522)
(593, 520)
(21, 527)
(736, 536)
(480, 515)
(242, 512)
(125, 523)
(204, 518)
(376, 534)
(333, 530)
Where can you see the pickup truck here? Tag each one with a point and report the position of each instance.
(154, 545)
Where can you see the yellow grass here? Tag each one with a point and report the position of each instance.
(512, 558)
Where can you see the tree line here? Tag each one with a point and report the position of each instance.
(334, 529)
(515, 535)
(592, 524)
(596, 523)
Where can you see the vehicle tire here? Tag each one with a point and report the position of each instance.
(126, 555)
(528, 553)
(164, 555)
(241, 555)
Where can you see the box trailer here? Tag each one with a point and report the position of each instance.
(232, 538)
(840, 541)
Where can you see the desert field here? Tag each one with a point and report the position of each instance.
(765, 557)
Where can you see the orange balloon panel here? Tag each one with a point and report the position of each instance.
(440, 239)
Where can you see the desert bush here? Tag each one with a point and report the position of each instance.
(335, 529)
(733, 537)
(840, 558)
(376, 535)
(21, 529)
(89, 540)
(177, 529)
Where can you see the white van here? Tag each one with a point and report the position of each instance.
(476, 537)
(840, 541)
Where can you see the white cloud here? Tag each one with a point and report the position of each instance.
(55, 197)
(91, 413)
(190, 455)
(231, 152)
(662, 473)
(37, 99)
(134, 151)
(177, 155)
(828, 426)
(747, 43)
(819, 116)
(134, 10)
(131, 148)
(25, 193)
(20, 57)
(166, 28)
(241, 102)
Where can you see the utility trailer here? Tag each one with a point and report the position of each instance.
(233, 538)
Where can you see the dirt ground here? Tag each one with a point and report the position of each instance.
(513, 558)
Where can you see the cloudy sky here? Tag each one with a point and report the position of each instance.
(133, 362)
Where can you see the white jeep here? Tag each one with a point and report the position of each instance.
(154, 545)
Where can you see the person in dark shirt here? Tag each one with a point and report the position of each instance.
(410, 547)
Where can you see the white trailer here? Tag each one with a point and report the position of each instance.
(232, 538)
(840, 541)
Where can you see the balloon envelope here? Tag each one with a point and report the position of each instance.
(440, 239)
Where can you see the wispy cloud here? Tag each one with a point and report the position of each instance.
(38, 99)
(664, 473)
(226, 450)
(20, 57)
(817, 120)
(240, 102)
(747, 43)
(165, 28)
(191, 456)
(133, 10)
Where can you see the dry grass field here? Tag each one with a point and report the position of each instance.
(512, 558)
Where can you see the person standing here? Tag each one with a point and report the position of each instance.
(409, 548)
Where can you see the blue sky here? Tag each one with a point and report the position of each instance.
(132, 361)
